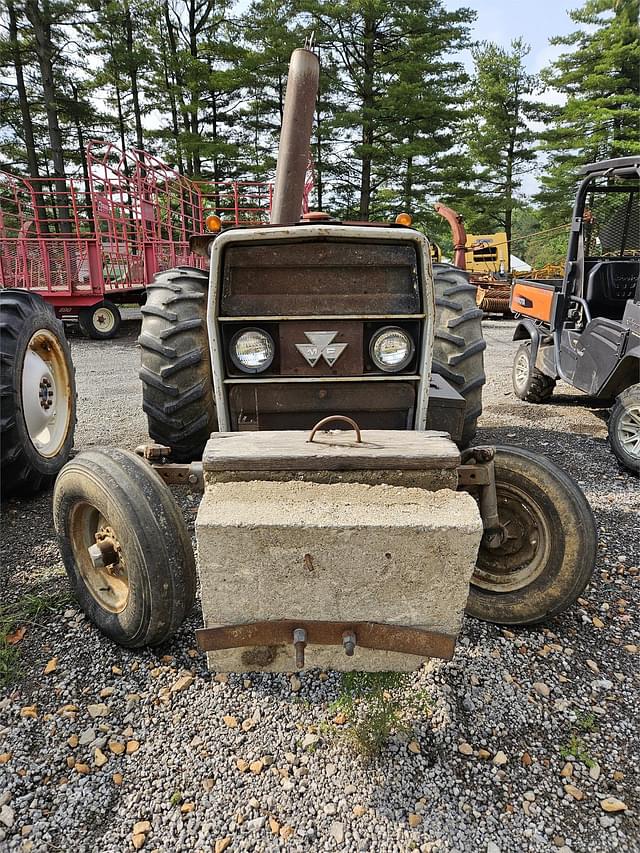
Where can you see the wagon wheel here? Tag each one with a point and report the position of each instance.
(100, 321)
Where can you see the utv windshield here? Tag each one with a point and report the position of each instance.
(612, 218)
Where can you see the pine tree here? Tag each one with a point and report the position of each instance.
(598, 75)
(398, 94)
(499, 136)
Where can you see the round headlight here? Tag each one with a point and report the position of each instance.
(391, 349)
(252, 350)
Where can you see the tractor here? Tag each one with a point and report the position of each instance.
(585, 327)
(361, 552)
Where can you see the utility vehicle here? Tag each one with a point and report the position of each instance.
(585, 327)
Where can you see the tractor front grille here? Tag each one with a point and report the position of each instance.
(331, 294)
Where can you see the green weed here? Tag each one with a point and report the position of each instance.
(22, 613)
(577, 748)
(377, 705)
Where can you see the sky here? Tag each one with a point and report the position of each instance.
(535, 20)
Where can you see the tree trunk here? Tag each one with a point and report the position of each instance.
(133, 75)
(408, 184)
(367, 117)
(29, 139)
(40, 20)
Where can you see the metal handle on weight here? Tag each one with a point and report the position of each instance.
(354, 426)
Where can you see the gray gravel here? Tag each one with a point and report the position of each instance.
(493, 771)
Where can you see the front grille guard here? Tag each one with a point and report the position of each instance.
(305, 232)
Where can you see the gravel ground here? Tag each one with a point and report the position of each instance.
(529, 730)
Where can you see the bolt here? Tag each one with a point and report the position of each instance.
(349, 643)
(96, 556)
(103, 553)
(299, 642)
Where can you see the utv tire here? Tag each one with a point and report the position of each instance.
(37, 394)
(549, 555)
(146, 586)
(101, 321)
(177, 386)
(529, 383)
(624, 428)
(458, 344)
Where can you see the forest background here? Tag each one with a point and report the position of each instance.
(400, 121)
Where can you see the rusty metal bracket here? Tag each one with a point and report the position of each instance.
(173, 473)
(191, 475)
(369, 635)
(478, 469)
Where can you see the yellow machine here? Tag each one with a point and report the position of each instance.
(487, 253)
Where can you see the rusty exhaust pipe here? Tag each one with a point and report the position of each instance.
(295, 137)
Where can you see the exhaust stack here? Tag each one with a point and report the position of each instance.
(295, 137)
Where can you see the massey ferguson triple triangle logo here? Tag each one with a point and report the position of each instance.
(321, 344)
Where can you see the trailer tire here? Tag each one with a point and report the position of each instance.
(37, 394)
(177, 386)
(624, 428)
(146, 587)
(458, 343)
(548, 559)
(529, 383)
(100, 321)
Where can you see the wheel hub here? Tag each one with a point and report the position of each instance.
(629, 430)
(46, 391)
(100, 558)
(521, 370)
(104, 320)
(513, 556)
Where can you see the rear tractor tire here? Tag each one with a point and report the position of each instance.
(100, 321)
(624, 428)
(458, 344)
(529, 383)
(37, 394)
(548, 552)
(125, 546)
(177, 385)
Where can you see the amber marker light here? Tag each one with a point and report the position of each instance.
(404, 219)
(213, 223)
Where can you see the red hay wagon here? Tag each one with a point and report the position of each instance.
(87, 246)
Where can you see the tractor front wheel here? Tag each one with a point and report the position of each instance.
(125, 546)
(545, 553)
(624, 428)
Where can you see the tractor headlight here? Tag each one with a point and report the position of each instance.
(252, 350)
(391, 349)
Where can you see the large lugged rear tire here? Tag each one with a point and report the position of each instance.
(177, 386)
(549, 552)
(37, 394)
(138, 581)
(624, 428)
(458, 344)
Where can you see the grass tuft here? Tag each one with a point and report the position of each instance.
(20, 613)
(377, 705)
